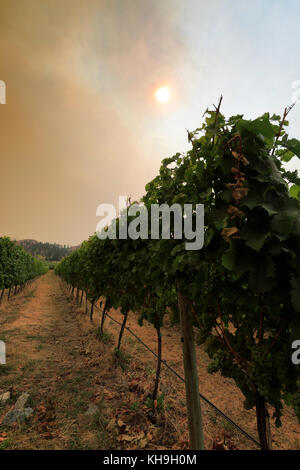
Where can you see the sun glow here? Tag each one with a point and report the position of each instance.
(163, 94)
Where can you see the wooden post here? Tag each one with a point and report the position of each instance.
(190, 374)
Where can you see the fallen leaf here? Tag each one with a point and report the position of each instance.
(228, 233)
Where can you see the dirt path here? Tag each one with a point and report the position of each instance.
(46, 357)
(54, 355)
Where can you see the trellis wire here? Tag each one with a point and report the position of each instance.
(245, 433)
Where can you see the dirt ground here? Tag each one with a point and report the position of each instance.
(54, 354)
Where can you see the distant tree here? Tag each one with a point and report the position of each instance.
(48, 251)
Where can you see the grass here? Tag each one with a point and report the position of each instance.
(130, 341)
(169, 406)
(31, 365)
(10, 316)
(7, 333)
(75, 443)
(103, 336)
(228, 427)
(213, 419)
(149, 371)
(77, 407)
(121, 359)
(71, 383)
(135, 405)
(149, 402)
(6, 369)
(97, 435)
(5, 444)
(7, 381)
(106, 439)
(77, 386)
(33, 337)
(221, 423)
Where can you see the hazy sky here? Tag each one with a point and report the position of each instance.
(81, 125)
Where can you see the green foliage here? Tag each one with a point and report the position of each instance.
(103, 336)
(48, 251)
(157, 405)
(244, 285)
(16, 265)
(248, 300)
(121, 358)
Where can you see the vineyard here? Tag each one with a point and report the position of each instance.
(239, 295)
(17, 268)
(236, 300)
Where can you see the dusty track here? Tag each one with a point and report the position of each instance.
(53, 353)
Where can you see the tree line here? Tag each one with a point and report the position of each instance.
(49, 251)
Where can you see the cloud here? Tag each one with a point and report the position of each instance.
(77, 76)
(80, 125)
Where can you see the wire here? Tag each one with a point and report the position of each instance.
(251, 438)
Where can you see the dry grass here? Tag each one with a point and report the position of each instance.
(53, 352)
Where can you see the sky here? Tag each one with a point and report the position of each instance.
(81, 125)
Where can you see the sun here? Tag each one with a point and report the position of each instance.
(163, 94)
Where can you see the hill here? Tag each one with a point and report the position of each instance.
(48, 251)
